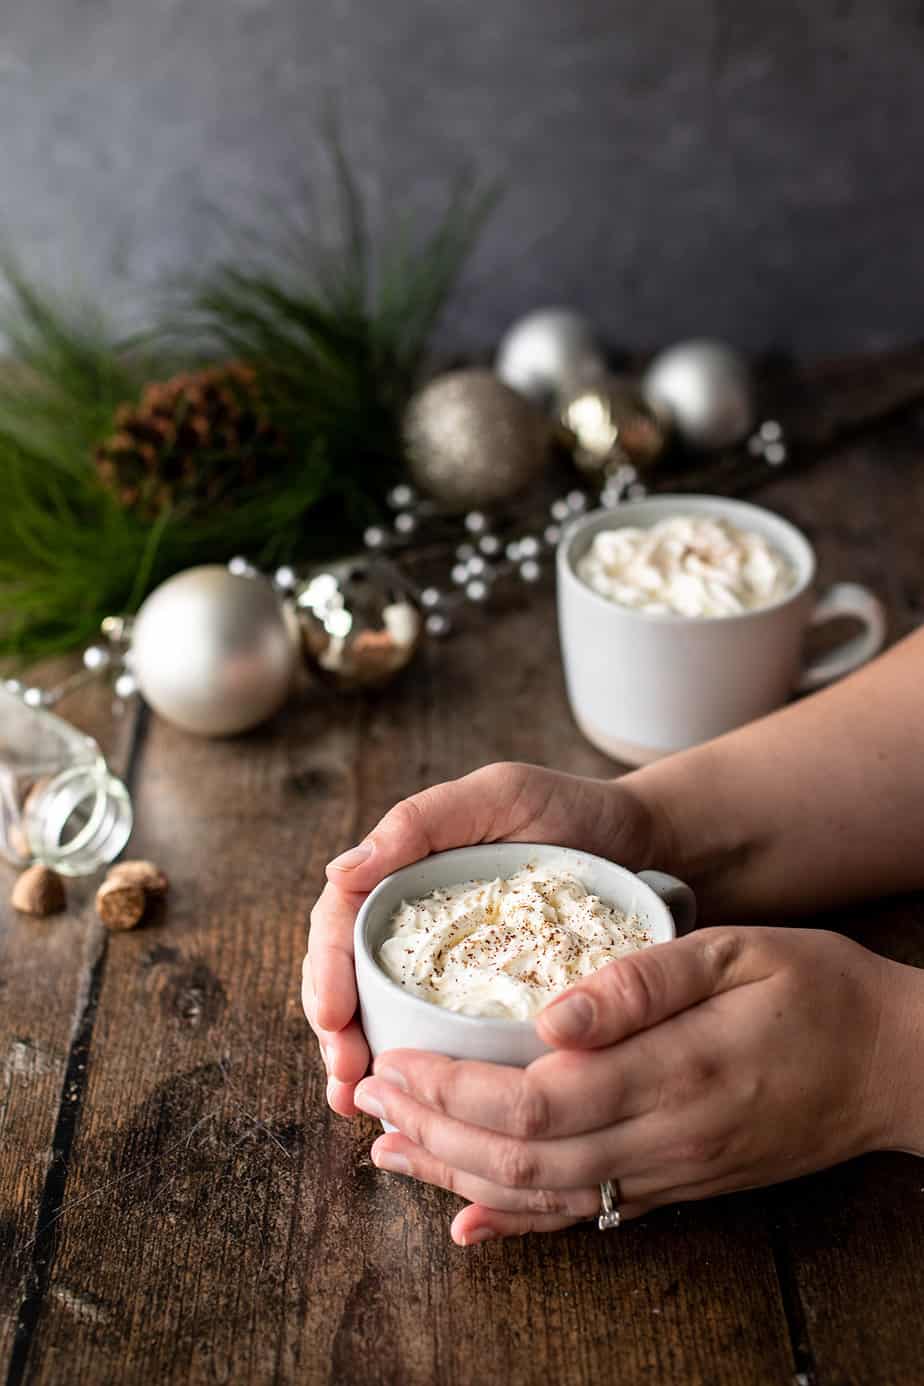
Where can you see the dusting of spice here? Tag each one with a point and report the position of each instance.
(505, 947)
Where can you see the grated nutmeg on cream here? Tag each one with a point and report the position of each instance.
(505, 947)
(690, 565)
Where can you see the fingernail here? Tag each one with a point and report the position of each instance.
(354, 857)
(331, 1084)
(367, 1102)
(569, 1018)
(478, 1234)
(391, 1075)
(391, 1161)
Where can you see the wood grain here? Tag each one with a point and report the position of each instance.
(219, 1224)
(47, 969)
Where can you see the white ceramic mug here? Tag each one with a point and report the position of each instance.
(393, 1018)
(644, 684)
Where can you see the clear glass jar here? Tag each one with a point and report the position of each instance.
(59, 804)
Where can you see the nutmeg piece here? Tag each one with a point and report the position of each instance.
(39, 891)
(119, 904)
(145, 874)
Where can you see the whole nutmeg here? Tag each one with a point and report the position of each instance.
(39, 891)
(120, 904)
(140, 873)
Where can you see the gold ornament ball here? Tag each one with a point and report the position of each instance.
(612, 423)
(360, 625)
(472, 441)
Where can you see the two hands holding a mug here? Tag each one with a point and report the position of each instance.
(735, 1057)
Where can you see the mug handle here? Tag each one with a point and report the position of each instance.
(845, 599)
(678, 897)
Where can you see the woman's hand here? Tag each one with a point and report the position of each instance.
(500, 802)
(725, 1060)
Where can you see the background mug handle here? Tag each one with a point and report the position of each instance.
(678, 897)
(845, 599)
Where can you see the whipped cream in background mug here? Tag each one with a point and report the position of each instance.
(692, 565)
(505, 947)
(659, 660)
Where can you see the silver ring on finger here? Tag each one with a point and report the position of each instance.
(610, 1199)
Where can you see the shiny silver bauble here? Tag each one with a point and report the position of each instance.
(213, 652)
(472, 441)
(547, 354)
(706, 389)
(612, 424)
(360, 623)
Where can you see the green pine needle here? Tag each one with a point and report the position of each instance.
(337, 342)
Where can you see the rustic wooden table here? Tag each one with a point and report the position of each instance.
(177, 1204)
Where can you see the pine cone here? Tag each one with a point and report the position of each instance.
(193, 441)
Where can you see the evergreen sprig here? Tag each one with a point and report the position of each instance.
(337, 341)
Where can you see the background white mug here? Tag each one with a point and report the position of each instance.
(643, 684)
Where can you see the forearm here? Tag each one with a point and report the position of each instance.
(811, 807)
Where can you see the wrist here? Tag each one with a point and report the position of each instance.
(898, 1072)
(692, 832)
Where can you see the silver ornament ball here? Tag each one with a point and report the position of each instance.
(212, 651)
(360, 623)
(472, 441)
(547, 354)
(706, 391)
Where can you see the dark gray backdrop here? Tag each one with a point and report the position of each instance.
(672, 167)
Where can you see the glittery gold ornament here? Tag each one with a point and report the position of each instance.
(472, 441)
(613, 424)
(360, 624)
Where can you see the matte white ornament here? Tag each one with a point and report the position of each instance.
(548, 353)
(212, 651)
(706, 391)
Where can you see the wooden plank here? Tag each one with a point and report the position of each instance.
(220, 1224)
(46, 973)
(851, 1237)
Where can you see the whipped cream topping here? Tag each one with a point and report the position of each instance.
(505, 947)
(691, 565)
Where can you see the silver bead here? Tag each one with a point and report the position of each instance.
(125, 685)
(489, 544)
(551, 534)
(430, 597)
(95, 657)
(476, 590)
(35, 697)
(374, 537)
(476, 522)
(459, 573)
(14, 686)
(756, 445)
(636, 491)
(464, 552)
(530, 570)
(611, 497)
(400, 497)
(241, 567)
(405, 523)
(576, 501)
(285, 578)
(771, 431)
(529, 546)
(560, 510)
(512, 550)
(438, 624)
(775, 454)
(476, 566)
